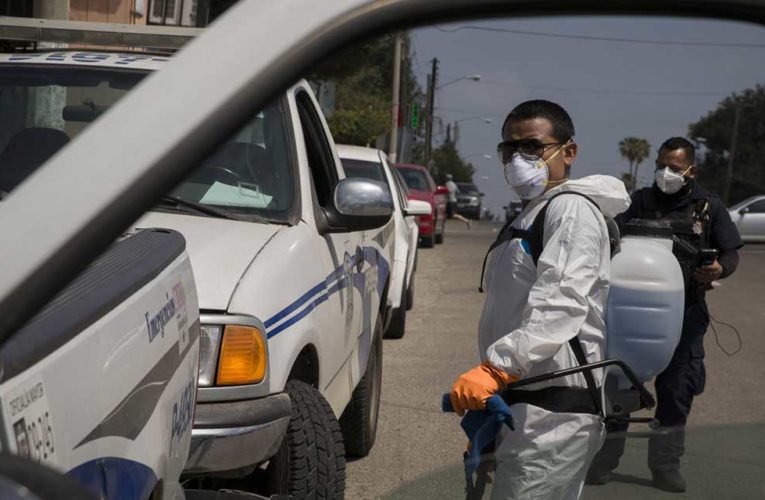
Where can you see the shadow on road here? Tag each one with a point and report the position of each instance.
(723, 462)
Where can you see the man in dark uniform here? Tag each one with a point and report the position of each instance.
(700, 220)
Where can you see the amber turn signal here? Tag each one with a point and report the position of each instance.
(243, 357)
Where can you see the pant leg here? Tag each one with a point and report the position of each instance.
(612, 450)
(676, 387)
(547, 456)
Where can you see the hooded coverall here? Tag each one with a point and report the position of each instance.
(530, 314)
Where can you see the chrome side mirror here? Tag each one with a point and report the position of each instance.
(363, 198)
(359, 205)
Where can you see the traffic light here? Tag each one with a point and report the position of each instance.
(415, 123)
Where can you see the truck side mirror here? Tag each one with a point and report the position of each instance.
(359, 205)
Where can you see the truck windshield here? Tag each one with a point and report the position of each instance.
(42, 108)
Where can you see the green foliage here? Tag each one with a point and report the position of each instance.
(361, 114)
(362, 74)
(634, 150)
(716, 130)
(446, 160)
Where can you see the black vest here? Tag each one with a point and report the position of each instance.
(690, 229)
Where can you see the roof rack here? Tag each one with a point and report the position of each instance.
(120, 35)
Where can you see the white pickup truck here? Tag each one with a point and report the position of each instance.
(291, 262)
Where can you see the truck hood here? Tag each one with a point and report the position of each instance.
(220, 251)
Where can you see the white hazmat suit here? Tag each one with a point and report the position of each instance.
(530, 314)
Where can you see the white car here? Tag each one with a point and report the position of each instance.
(749, 218)
(292, 267)
(368, 163)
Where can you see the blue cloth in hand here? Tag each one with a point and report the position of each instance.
(482, 428)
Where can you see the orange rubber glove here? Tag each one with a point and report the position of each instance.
(474, 387)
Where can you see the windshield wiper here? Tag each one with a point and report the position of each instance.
(177, 203)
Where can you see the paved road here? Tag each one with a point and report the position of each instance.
(418, 450)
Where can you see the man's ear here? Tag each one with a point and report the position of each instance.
(569, 153)
(692, 172)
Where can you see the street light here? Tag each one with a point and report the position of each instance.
(482, 155)
(474, 78)
(482, 118)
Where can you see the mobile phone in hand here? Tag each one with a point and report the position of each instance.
(707, 256)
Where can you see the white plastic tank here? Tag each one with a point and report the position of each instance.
(644, 315)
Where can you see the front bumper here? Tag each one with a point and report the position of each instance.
(232, 436)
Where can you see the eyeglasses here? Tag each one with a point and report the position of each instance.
(506, 149)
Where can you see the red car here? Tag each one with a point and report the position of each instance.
(422, 187)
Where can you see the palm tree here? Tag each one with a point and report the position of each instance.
(634, 150)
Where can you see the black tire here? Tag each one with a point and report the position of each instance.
(310, 463)
(397, 326)
(427, 241)
(440, 238)
(359, 420)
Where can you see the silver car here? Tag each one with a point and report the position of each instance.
(749, 218)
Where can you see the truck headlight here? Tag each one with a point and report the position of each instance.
(209, 343)
(243, 356)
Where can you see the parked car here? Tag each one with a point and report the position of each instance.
(749, 217)
(513, 210)
(292, 265)
(367, 163)
(469, 200)
(422, 187)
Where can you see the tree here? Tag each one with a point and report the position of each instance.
(447, 160)
(634, 150)
(716, 130)
(362, 74)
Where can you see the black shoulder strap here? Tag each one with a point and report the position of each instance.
(507, 233)
(536, 240)
(576, 346)
(535, 235)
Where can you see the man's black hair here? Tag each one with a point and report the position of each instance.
(562, 126)
(674, 143)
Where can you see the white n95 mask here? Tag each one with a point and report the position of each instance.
(669, 181)
(527, 175)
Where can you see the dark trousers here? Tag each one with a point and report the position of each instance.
(682, 380)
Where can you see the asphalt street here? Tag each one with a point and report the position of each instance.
(418, 453)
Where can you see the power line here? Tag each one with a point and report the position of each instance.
(609, 91)
(603, 38)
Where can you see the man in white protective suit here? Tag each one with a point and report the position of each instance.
(545, 311)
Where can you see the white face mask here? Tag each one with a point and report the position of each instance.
(669, 181)
(528, 175)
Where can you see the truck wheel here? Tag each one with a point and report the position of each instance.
(359, 420)
(310, 463)
(427, 241)
(397, 325)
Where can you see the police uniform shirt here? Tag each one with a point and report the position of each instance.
(721, 233)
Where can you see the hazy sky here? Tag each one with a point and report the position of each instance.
(612, 89)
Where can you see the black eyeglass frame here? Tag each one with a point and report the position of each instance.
(539, 147)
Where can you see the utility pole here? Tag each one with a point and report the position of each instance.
(393, 151)
(732, 154)
(432, 79)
